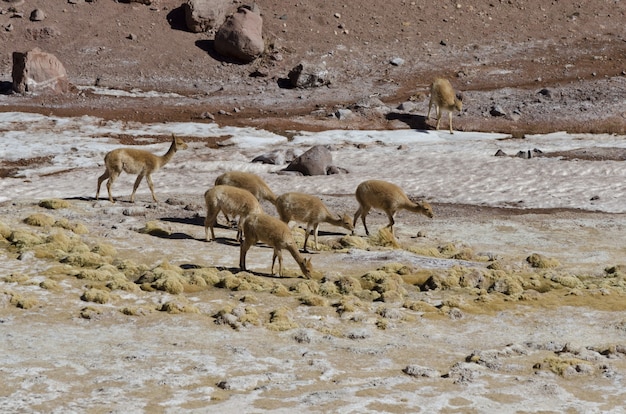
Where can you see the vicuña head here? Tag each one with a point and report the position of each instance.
(310, 210)
(267, 229)
(136, 161)
(442, 96)
(388, 197)
(230, 200)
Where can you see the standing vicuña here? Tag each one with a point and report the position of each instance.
(136, 161)
(247, 181)
(310, 210)
(230, 200)
(270, 230)
(443, 97)
(388, 197)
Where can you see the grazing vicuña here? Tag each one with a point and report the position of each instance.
(270, 230)
(388, 197)
(311, 210)
(230, 200)
(136, 161)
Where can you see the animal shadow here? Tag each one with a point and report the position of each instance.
(413, 121)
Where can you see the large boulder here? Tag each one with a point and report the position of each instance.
(241, 35)
(204, 15)
(36, 71)
(317, 160)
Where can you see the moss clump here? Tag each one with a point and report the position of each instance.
(54, 204)
(567, 280)
(384, 238)
(5, 230)
(566, 366)
(23, 302)
(420, 306)
(78, 228)
(349, 304)
(328, 289)
(87, 259)
(237, 316)
(152, 228)
(210, 276)
(96, 296)
(176, 307)
(39, 220)
(18, 278)
(280, 320)
(540, 261)
(354, 241)
(135, 311)
(49, 284)
(347, 285)
(104, 249)
(307, 287)
(383, 282)
(22, 240)
(103, 273)
(164, 277)
(313, 300)
(278, 289)
(120, 282)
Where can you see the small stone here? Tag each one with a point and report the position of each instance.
(397, 61)
(37, 15)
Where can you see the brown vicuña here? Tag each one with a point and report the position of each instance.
(267, 229)
(442, 96)
(136, 161)
(230, 200)
(388, 197)
(311, 210)
(247, 181)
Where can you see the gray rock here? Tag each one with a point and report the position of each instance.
(315, 161)
(240, 37)
(306, 75)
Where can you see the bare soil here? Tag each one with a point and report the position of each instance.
(557, 66)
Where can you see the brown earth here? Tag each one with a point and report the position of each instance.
(498, 53)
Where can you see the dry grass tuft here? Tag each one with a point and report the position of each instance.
(18, 278)
(40, 220)
(152, 228)
(540, 261)
(54, 204)
(177, 306)
(313, 300)
(280, 320)
(384, 238)
(23, 302)
(96, 296)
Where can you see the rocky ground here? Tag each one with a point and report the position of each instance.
(524, 66)
(92, 323)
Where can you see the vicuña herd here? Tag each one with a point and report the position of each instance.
(238, 194)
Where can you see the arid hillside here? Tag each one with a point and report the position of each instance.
(502, 54)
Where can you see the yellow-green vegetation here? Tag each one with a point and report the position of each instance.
(22, 302)
(237, 316)
(96, 295)
(542, 262)
(19, 278)
(5, 230)
(179, 305)
(154, 229)
(40, 220)
(566, 366)
(280, 320)
(54, 204)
